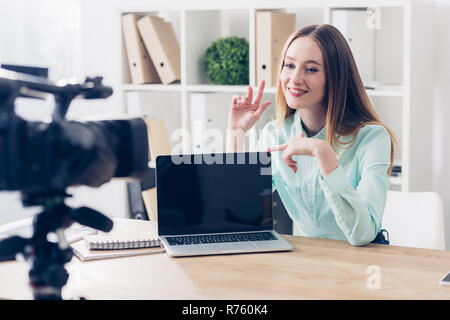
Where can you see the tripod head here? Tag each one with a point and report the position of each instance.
(47, 259)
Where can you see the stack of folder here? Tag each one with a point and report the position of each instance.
(152, 48)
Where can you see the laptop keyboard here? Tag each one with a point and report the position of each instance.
(220, 238)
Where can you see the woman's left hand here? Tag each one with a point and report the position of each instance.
(317, 148)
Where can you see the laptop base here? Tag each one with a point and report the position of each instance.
(279, 244)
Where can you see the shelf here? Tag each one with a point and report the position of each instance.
(202, 28)
(151, 87)
(395, 92)
(396, 181)
(178, 87)
(216, 88)
(221, 88)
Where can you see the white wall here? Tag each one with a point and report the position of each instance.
(441, 132)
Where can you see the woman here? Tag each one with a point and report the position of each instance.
(331, 155)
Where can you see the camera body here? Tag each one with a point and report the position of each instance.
(39, 156)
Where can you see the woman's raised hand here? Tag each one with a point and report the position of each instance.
(246, 111)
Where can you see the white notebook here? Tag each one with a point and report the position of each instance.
(126, 234)
(83, 253)
(128, 237)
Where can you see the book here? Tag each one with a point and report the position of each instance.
(129, 237)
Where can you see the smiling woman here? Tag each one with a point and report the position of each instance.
(331, 153)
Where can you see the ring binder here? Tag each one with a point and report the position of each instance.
(140, 63)
(162, 46)
(272, 30)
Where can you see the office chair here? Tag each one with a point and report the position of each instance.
(415, 219)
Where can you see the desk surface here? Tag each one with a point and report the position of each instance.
(315, 269)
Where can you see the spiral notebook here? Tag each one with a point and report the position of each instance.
(129, 237)
(126, 234)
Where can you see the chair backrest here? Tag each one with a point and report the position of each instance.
(415, 219)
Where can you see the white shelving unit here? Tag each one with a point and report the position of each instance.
(403, 54)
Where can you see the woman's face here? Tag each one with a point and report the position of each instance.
(303, 74)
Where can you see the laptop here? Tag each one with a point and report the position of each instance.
(216, 204)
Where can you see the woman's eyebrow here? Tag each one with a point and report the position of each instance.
(307, 61)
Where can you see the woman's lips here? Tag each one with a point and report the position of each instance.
(295, 92)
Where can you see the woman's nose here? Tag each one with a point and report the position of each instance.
(298, 77)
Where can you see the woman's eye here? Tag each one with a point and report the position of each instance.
(289, 65)
(311, 70)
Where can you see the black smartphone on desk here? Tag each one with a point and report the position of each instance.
(445, 281)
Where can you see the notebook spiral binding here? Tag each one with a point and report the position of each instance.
(117, 245)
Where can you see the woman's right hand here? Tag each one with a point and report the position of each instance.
(246, 111)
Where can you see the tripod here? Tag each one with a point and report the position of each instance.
(47, 259)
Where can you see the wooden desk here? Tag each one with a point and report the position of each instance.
(316, 269)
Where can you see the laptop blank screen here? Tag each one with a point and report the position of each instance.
(214, 193)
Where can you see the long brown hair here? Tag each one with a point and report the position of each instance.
(348, 105)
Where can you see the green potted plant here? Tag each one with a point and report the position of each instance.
(226, 61)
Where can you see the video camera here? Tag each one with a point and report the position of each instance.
(42, 159)
(42, 156)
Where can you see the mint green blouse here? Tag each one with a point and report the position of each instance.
(349, 203)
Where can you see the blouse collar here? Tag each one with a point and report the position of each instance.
(299, 128)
